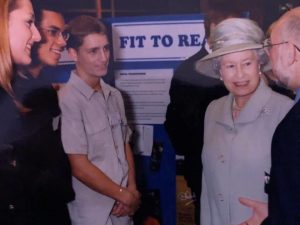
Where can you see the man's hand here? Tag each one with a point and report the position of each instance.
(120, 209)
(130, 199)
(259, 211)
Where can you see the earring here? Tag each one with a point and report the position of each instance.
(259, 73)
(221, 79)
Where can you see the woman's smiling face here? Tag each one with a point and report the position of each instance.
(22, 32)
(240, 72)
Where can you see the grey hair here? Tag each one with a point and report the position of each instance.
(261, 54)
(234, 31)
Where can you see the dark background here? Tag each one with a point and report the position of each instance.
(262, 11)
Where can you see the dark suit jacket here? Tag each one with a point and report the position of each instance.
(284, 192)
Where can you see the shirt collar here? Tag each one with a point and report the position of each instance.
(254, 107)
(297, 95)
(106, 89)
(85, 89)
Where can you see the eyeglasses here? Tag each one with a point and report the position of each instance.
(267, 44)
(56, 33)
(298, 49)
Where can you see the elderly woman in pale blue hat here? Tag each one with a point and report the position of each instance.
(238, 127)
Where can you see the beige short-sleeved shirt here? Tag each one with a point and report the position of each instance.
(94, 123)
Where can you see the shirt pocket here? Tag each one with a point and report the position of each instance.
(116, 125)
(99, 139)
(114, 119)
(95, 125)
(101, 129)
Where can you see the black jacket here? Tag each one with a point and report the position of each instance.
(35, 176)
(284, 187)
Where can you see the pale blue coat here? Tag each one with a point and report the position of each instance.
(236, 154)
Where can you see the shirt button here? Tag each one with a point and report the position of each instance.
(11, 207)
(220, 197)
(13, 163)
(221, 158)
(232, 130)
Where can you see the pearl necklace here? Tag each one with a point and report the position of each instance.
(235, 109)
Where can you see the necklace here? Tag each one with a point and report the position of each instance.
(235, 106)
(235, 109)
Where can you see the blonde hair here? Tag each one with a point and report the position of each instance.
(6, 63)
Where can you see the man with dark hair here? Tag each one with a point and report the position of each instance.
(50, 23)
(95, 133)
(37, 94)
(190, 95)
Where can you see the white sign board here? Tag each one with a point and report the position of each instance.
(157, 40)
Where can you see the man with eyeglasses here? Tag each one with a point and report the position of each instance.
(49, 182)
(272, 80)
(50, 23)
(284, 187)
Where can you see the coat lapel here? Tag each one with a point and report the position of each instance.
(256, 106)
